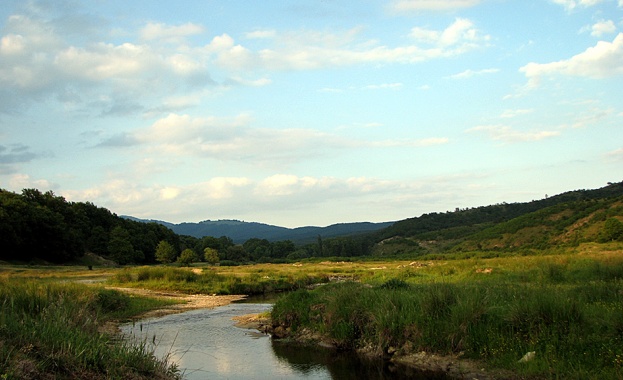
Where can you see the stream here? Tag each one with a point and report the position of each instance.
(205, 344)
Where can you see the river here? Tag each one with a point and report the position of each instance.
(205, 344)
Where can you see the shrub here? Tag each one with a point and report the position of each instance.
(394, 284)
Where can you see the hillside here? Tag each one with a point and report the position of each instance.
(42, 226)
(240, 231)
(567, 218)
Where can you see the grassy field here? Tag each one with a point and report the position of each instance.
(566, 305)
(53, 329)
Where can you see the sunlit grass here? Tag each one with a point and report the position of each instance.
(564, 304)
(52, 330)
(567, 308)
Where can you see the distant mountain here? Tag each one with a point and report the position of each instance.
(240, 231)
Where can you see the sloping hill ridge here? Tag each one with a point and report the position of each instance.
(568, 218)
(240, 231)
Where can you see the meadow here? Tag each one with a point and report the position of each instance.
(52, 328)
(565, 305)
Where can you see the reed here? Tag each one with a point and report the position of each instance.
(568, 310)
(52, 330)
(208, 281)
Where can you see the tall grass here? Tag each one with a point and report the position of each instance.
(569, 314)
(208, 281)
(50, 330)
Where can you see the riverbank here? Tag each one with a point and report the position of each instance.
(52, 330)
(566, 311)
(181, 302)
(452, 366)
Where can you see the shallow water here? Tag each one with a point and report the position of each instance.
(205, 344)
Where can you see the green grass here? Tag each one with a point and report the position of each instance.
(208, 281)
(566, 304)
(566, 308)
(51, 330)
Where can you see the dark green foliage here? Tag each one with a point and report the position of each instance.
(111, 300)
(395, 283)
(120, 247)
(613, 230)
(43, 226)
(165, 253)
(187, 257)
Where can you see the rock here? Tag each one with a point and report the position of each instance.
(279, 332)
(527, 357)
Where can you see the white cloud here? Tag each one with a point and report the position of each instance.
(600, 61)
(432, 5)
(260, 82)
(572, 4)
(169, 33)
(18, 182)
(285, 184)
(615, 155)
(104, 61)
(461, 31)
(261, 34)
(470, 73)
(235, 139)
(507, 134)
(169, 193)
(279, 198)
(603, 27)
(315, 50)
(36, 59)
(592, 117)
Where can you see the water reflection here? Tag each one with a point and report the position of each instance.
(345, 365)
(205, 344)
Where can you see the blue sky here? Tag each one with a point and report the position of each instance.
(305, 112)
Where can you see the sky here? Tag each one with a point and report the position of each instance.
(309, 112)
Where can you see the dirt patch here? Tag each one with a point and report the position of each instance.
(185, 301)
(259, 322)
(453, 366)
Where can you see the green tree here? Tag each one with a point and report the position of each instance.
(210, 255)
(282, 249)
(120, 247)
(236, 253)
(165, 253)
(613, 230)
(257, 248)
(186, 257)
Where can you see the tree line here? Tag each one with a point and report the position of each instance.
(37, 225)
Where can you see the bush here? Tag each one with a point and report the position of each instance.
(394, 284)
(111, 300)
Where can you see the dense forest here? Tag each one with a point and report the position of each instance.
(37, 226)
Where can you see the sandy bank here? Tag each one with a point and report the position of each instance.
(185, 301)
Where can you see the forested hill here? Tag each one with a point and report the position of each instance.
(240, 231)
(36, 226)
(43, 226)
(579, 215)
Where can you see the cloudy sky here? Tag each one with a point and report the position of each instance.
(309, 112)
